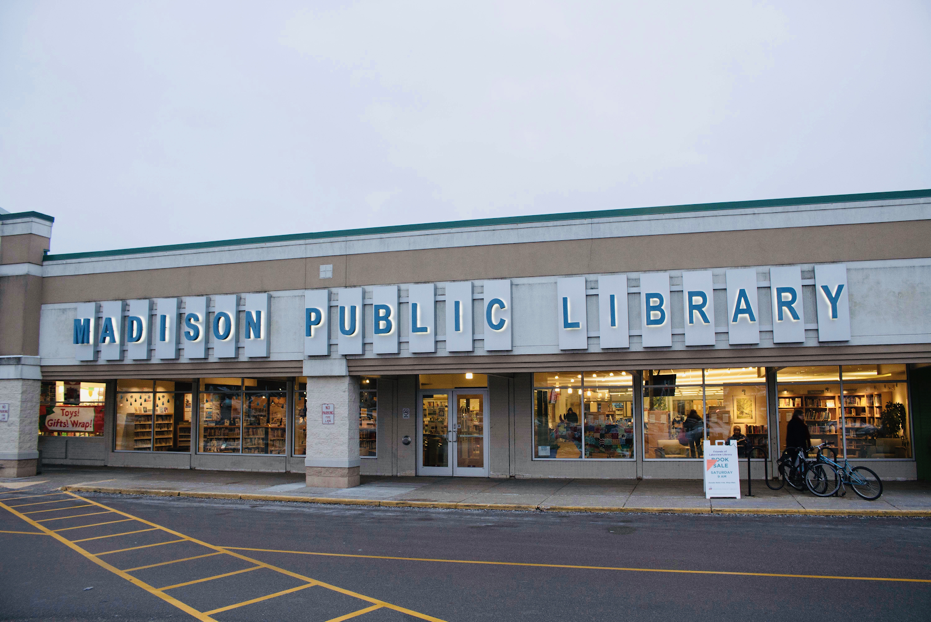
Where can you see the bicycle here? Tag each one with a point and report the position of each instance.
(864, 481)
(792, 465)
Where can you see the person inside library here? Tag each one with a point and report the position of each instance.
(798, 436)
(694, 428)
(740, 440)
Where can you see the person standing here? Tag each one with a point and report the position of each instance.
(797, 434)
(694, 428)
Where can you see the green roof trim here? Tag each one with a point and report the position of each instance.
(508, 220)
(18, 215)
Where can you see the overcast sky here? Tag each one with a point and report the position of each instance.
(145, 123)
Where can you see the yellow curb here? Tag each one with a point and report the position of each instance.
(442, 505)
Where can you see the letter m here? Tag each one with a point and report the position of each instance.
(82, 331)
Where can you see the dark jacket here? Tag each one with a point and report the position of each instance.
(797, 434)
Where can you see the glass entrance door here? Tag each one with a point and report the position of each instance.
(451, 434)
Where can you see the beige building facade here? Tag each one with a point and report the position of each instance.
(590, 345)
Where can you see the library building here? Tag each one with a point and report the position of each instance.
(605, 344)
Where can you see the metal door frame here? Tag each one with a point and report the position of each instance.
(452, 470)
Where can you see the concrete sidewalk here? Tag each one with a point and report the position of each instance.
(548, 495)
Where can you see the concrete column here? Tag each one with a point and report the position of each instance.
(333, 448)
(24, 238)
(19, 434)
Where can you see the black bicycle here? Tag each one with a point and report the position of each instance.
(794, 464)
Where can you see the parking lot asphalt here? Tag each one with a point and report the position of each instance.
(176, 558)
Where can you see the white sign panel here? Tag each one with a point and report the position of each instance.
(743, 312)
(137, 330)
(255, 325)
(224, 326)
(422, 330)
(194, 327)
(459, 317)
(317, 322)
(497, 310)
(349, 321)
(405, 413)
(655, 310)
(722, 473)
(328, 413)
(5, 412)
(698, 307)
(570, 303)
(385, 318)
(111, 330)
(166, 329)
(833, 302)
(85, 331)
(788, 310)
(612, 311)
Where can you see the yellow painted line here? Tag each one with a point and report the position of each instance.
(31, 533)
(148, 588)
(574, 567)
(114, 535)
(144, 546)
(171, 562)
(23, 505)
(374, 601)
(219, 576)
(122, 520)
(260, 599)
(45, 520)
(73, 507)
(5, 499)
(355, 614)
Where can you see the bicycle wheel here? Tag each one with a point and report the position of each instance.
(866, 483)
(792, 476)
(822, 480)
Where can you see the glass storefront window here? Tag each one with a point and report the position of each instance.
(368, 417)
(609, 422)
(591, 410)
(862, 410)
(737, 413)
(683, 408)
(220, 415)
(810, 396)
(72, 408)
(153, 416)
(558, 423)
(876, 414)
(673, 420)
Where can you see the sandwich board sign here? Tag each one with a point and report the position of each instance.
(722, 473)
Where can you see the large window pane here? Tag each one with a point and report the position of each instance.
(72, 408)
(876, 412)
(221, 415)
(558, 423)
(368, 417)
(608, 422)
(263, 423)
(134, 416)
(815, 407)
(148, 420)
(737, 413)
(673, 423)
